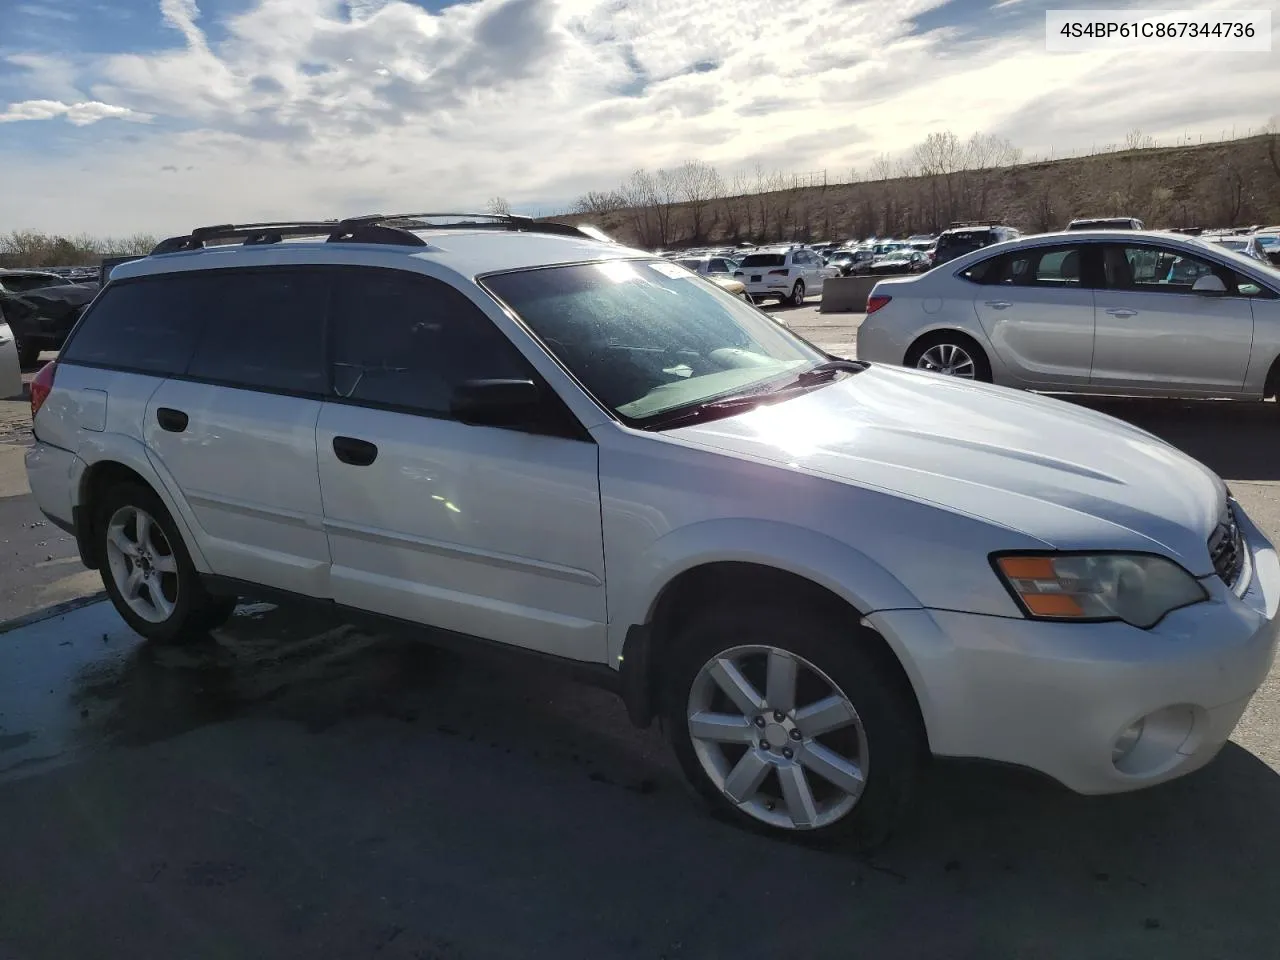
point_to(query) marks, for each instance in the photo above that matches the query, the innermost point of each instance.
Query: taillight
(41, 386)
(875, 302)
(777, 273)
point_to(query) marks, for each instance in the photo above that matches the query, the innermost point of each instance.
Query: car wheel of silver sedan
(791, 724)
(953, 355)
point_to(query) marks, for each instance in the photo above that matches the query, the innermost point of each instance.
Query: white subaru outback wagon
(818, 572)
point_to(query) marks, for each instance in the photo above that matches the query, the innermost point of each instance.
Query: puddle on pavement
(82, 681)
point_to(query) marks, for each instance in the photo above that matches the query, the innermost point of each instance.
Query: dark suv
(964, 238)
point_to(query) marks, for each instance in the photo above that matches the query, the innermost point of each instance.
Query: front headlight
(1137, 588)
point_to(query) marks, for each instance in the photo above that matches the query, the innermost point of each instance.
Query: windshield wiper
(725, 406)
(825, 371)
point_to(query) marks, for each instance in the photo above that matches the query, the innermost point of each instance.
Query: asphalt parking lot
(296, 787)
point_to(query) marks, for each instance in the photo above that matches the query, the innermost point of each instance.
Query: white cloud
(80, 114)
(318, 107)
(50, 13)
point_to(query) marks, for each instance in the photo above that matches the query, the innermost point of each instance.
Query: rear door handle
(1121, 312)
(999, 304)
(175, 421)
(352, 450)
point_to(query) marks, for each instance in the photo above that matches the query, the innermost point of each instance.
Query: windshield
(764, 260)
(647, 338)
(1233, 255)
(1233, 244)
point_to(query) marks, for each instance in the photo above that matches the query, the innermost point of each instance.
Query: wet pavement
(290, 786)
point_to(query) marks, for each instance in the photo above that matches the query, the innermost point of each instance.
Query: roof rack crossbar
(394, 229)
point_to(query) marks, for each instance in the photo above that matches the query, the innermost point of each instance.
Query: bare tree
(882, 168)
(637, 196)
(599, 202)
(1135, 139)
(1273, 143)
(498, 206)
(697, 184)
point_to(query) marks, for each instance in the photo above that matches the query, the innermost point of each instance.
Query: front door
(1036, 306)
(1155, 335)
(481, 530)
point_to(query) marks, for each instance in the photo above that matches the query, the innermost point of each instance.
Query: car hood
(1067, 476)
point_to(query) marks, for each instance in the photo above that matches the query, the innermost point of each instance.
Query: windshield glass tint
(764, 260)
(645, 337)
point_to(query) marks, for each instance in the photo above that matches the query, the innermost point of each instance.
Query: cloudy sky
(119, 116)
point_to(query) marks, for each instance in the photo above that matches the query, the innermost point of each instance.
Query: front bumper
(1055, 697)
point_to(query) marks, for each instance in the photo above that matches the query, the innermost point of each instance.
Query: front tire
(793, 723)
(147, 571)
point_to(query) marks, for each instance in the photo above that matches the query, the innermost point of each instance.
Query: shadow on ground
(1233, 438)
(296, 787)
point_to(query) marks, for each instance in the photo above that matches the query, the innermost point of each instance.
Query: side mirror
(1209, 286)
(495, 403)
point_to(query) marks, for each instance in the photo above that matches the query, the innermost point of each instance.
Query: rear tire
(797, 294)
(147, 571)
(951, 353)
(879, 735)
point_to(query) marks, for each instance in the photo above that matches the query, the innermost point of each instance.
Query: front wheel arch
(725, 583)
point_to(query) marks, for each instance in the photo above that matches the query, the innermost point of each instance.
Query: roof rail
(977, 223)
(394, 229)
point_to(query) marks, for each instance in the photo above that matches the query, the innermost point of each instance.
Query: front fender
(98, 448)
(830, 563)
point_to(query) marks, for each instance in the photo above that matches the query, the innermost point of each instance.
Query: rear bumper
(1056, 697)
(53, 474)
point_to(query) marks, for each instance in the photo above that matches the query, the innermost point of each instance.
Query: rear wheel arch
(102, 475)
(960, 338)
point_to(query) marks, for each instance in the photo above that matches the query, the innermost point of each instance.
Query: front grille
(1226, 548)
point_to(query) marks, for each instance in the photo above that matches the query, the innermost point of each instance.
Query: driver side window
(406, 342)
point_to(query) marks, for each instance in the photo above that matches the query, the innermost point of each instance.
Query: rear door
(1036, 306)
(482, 530)
(1155, 335)
(237, 430)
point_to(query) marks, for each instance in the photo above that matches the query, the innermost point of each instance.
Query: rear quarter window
(764, 260)
(150, 325)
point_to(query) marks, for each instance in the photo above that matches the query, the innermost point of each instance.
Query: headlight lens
(1134, 587)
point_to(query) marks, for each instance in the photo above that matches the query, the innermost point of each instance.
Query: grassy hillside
(1231, 183)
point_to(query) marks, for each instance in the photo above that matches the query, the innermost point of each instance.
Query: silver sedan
(1112, 312)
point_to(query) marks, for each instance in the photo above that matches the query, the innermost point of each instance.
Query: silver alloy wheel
(797, 294)
(142, 564)
(794, 757)
(948, 358)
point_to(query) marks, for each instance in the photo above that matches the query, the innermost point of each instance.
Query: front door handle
(999, 304)
(1121, 312)
(175, 421)
(358, 453)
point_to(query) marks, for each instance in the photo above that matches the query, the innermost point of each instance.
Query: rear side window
(149, 325)
(265, 331)
(407, 342)
(764, 260)
(1037, 267)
